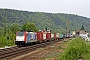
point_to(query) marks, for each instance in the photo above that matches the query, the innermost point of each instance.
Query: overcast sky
(79, 7)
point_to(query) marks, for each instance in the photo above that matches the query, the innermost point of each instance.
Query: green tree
(14, 28)
(29, 27)
(82, 28)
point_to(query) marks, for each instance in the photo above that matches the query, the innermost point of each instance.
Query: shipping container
(48, 36)
(39, 36)
(58, 35)
(52, 35)
(44, 36)
(61, 35)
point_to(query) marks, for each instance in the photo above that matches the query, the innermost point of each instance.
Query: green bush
(7, 42)
(76, 49)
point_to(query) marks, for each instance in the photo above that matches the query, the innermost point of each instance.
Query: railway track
(9, 53)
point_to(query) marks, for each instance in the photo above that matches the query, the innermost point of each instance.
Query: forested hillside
(55, 22)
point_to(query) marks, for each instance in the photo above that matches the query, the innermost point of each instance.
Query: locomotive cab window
(20, 33)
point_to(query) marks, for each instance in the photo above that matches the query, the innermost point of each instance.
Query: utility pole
(66, 27)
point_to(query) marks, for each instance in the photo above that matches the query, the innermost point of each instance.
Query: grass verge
(77, 48)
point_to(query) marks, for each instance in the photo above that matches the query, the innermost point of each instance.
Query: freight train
(24, 37)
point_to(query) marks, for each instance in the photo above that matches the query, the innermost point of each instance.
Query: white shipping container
(44, 35)
(57, 35)
(73, 33)
(52, 35)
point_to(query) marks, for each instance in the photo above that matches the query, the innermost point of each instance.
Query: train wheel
(38, 42)
(44, 41)
(24, 44)
(18, 45)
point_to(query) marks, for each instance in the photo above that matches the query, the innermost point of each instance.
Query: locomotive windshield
(20, 33)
